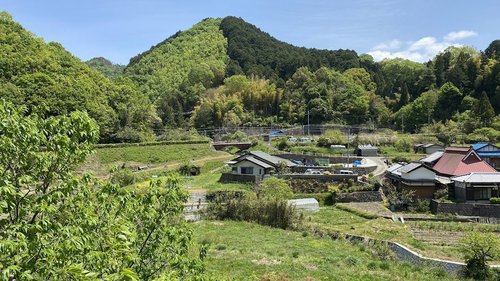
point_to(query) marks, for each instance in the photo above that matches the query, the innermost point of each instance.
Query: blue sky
(120, 29)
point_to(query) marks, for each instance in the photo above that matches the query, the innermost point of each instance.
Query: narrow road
(381, 166)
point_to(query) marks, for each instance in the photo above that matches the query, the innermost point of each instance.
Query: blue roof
(489, 154)
(479, 145)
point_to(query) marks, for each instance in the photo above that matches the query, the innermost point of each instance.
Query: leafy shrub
(236, 136)
(189, 170)
(123, 177)
(479, 248)
(399, 159)
(420, 206)
(274, 213)
(495, 200)
(283, 144)
(399, 199)
(404, 144)
(274, 188)
(441, 194)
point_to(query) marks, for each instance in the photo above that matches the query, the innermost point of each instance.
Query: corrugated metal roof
(457, 161)
(489, 154)
(432, 157)
(479, 145)
(393, 168)
(256, 161)
(479, 178)
(271, 159)
(410, 167)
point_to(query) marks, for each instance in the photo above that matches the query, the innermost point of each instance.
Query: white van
(346, 172)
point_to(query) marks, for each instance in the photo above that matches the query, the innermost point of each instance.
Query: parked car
(312, 172)
(292, 139)
(305, 140)
(346, 172)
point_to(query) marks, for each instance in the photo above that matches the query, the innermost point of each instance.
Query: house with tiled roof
(415, 176)
(459, 161)
(488, 152)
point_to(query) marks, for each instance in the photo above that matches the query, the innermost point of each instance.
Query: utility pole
(402, 123)
(308, 124)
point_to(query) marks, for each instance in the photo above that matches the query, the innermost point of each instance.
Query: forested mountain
(44, 77)
(227, 72)
(106, 67)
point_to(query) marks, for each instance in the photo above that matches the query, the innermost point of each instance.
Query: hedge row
(116, 145)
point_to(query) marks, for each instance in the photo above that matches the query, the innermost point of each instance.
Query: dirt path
(176, 164)
(381, 166)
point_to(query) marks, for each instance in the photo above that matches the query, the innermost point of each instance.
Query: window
(260, 171)
(247, 170)
(482, 193)
(234, 169)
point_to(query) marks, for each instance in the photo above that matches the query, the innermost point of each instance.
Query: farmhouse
(257, 163)
(428, 148)
(488, 152)
(414, 176)
(458, 161)
(476, 186)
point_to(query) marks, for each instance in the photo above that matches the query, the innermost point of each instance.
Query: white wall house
(250, 167)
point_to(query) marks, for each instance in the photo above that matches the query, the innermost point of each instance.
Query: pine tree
(483, 110)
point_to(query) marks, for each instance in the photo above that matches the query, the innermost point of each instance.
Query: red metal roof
(457, 161)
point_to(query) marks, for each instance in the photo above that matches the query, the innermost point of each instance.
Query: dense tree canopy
(56, 226)
(227, 72)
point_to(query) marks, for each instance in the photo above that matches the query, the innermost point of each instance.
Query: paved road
(381, 166)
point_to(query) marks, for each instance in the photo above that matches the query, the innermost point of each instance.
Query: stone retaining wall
(320, 178)
(465, 209)
(359, 196)
(229, 177)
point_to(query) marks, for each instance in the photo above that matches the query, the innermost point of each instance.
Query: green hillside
(254, 52)
(106, 67)
(46, 78)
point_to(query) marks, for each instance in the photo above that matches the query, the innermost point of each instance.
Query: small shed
(428, 148)
(367, 150)
(305, 205)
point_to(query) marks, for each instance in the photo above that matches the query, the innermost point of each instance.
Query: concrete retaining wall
(359, 196)
(404, 254)
(465, 209)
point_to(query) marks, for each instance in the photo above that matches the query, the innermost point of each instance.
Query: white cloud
(420, 50)
(389, 45)
(459, 35)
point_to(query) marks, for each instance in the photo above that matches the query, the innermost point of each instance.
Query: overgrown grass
(247, 251)
(456, 226)
(358, 212)
(156, 153)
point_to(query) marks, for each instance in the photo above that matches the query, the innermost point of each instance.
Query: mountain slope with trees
(47, 79)
(227, 72)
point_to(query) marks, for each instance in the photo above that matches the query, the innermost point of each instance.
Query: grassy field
(246, 251)
(156, 154)
(158, 158)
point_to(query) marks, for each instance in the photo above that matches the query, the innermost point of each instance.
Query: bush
(495, 200)
(283, 144)
(420, 206)
(479, 248)
(189, 170)
(274, 188)
(404, 144)
(441, 194)
(399, 159)
(123, 177)
(274, 213)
